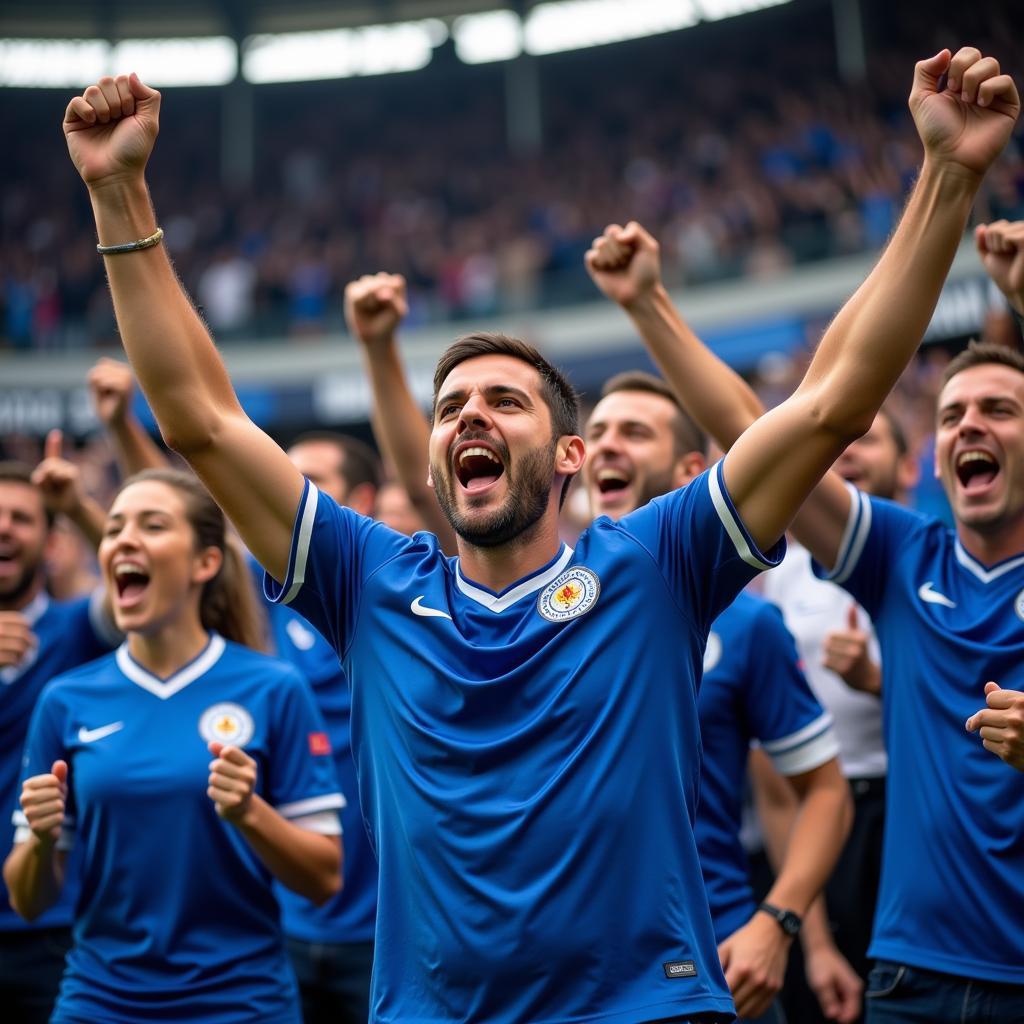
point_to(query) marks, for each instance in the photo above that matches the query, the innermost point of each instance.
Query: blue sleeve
(94, 632)
(783, 714)
(333, 552)
(876, 533)
(697, 538)
(44, 745)
(300, 776)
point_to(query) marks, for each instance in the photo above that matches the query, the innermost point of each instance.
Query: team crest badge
(226, 723)
(712, 652)
(1018, 605)
(571, 595)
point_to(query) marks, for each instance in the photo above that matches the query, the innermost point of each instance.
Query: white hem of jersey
(784, 744)
(497, 603)
(812, 754)
(326, 823)
(855, 536)
(300, 808)
(985, 575)
(164, 688)
(102, 620)
(731, 522)
(297, 573)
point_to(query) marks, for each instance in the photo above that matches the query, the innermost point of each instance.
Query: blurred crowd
(739, 173)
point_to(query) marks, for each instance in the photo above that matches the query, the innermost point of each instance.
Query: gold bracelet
(142, 243)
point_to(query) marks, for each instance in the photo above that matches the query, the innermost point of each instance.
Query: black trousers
(31, 966)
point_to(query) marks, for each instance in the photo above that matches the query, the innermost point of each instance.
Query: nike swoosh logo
(929, 594)
(92, 735)
(427, 613)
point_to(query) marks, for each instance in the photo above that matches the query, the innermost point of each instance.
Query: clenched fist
(625, 263)
(374, 307)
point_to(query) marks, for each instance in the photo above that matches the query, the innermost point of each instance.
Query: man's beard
(653, 486)
(529, 490)
(12, 596)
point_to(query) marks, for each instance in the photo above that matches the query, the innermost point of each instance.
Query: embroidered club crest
(572, 594)
(226, 723)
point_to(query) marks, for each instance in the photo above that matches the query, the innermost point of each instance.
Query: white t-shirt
(812, 608)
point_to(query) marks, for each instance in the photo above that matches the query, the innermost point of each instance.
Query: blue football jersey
(952, 888)
(177, 918)
(529, 760)
(349, 916)
(69, 633)
(753, 690)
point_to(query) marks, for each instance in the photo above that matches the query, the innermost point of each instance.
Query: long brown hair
(229, 604)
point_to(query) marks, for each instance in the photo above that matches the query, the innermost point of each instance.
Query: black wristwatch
(788, 921)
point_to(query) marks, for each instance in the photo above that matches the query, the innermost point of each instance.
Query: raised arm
(777, 462)
(110, 131)
(374, 307)
(111, 384)
(1001, 248)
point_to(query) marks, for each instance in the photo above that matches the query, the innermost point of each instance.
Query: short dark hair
(978, 353)
(360, 464)
(558, 394)
(21, 473)
(687, 436)
(899, 435)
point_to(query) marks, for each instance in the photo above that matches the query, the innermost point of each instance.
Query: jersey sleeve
(44, 745)
(333, 551)
(301, 783)
(697, 538)
(783, 714)
(876, 532)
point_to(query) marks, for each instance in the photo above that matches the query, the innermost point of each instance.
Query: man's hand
(110, 129)
(111, 385)
(375, 305)
(968, 123)
(1001, 724)
(754, 960)
(232, 781)
(1001, 247)
(43, 798)
(17, 641)
(59, 480)
(625, 263)
(846, 654)
(834, 982)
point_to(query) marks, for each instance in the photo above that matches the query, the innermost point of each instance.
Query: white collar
(164, 688)
(499, 602)
(969, 562)
(36, 608)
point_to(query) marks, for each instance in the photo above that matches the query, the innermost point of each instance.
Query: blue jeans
(898, 994)
(334, 980)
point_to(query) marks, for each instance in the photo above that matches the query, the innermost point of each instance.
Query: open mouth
(131, 582)
(611, 481)
(976, 470)
(477, 467)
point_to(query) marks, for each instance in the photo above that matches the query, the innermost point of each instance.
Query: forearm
(815, 842)
(305, 862)
(90, 518)
(403, 433)
(816, 931)
(134, 449)
(34, 875)
(867, 346)
(169, 348)
(718, 398)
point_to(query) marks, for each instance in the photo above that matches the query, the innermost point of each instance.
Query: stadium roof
(148, 19)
